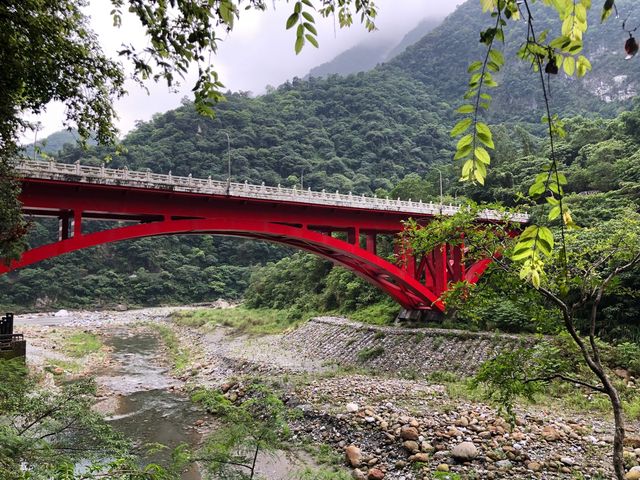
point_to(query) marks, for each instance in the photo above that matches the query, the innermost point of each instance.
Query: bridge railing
(146, 179)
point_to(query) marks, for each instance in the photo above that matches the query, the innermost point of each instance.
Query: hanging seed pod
(631, 47)
(552, 67)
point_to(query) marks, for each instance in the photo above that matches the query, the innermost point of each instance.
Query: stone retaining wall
(393, 349)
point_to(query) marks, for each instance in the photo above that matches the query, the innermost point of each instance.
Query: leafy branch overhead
(545, 55)
(303, 18)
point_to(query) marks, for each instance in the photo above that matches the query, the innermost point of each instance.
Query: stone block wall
(393, 349)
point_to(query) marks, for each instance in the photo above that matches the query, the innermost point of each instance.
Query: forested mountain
(440, 59)
(380, 131)
(367, 55)
(54, 143)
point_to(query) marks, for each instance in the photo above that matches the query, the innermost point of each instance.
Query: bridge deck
(148, 180)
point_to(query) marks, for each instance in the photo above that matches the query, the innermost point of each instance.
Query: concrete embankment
(424, 350)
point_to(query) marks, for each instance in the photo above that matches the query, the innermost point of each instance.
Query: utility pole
(228, 163)
(440, 173)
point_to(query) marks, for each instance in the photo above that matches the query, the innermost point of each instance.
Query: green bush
(369, 353)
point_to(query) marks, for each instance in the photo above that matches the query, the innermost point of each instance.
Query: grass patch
(377, 314)
(330, 462)
(70, 366)
(445, 476)
(179, 355)
(632, 408)
(440, 376)
(241, 319)
(324, 454)
(81, 344)
(370, 353)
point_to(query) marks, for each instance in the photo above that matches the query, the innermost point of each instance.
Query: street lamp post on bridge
(228, 163)
(441, 196)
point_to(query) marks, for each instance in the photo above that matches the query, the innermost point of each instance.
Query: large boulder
(464, 452)
(354, 455)
(633, 474)
(409, 433)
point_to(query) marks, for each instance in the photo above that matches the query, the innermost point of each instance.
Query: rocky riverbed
(383, 426)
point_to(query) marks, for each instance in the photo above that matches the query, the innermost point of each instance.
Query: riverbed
(140, 394)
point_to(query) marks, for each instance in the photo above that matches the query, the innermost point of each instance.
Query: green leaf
(310, 28)
(463, 152)
(483, 129)
(583, 66)
(474, 67)
(554, 213)
(494, 67)
(569, 66)
(521, 254)
(299, 44)
(465, 109)
(464, 141)
(544, 247)
(536, 189)
(292, 20)
(482, 155)
(308, 17)
(535, 278)
(312, 40)
(490, 82)
(466, 169)
(530, 232)
(545, 235)
(484, 134)
(496, 56)
(606, 10)
(488, 5)
(461, 127)
(562, 179)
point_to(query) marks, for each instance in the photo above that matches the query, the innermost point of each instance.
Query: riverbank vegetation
(179, 352)
(240, 319)
(46, 432)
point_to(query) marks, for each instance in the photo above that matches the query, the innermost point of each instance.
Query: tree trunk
(618, 434)
(255, 459)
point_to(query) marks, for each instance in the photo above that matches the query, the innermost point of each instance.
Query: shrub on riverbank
(241, 319)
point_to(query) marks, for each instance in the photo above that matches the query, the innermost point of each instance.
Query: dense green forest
(384, 131)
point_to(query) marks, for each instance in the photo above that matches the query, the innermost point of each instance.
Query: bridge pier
(63, 226)
(419, 316)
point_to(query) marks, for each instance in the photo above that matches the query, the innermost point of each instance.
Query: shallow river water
(145, 409)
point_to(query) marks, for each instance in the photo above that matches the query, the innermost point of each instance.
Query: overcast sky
(257, 53)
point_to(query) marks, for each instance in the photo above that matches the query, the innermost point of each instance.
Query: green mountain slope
(440, 59)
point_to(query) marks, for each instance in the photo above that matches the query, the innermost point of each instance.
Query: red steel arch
(395, 281)
(416, 284)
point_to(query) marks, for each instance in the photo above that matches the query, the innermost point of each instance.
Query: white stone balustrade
(135, 179)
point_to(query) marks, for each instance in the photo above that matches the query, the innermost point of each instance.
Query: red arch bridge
(305, 219)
